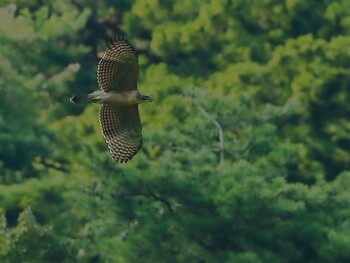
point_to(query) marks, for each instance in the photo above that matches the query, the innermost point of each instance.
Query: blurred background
(246, 154)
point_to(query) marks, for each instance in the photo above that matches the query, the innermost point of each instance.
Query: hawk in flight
(117, 75)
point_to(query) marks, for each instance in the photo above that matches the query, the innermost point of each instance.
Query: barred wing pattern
(118, 70)
(121, 128)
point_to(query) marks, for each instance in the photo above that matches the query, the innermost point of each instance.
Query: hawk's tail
(81, 99)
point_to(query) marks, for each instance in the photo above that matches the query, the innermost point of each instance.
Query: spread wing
(121, 128)
(118, 70)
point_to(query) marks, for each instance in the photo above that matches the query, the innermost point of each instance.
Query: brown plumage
(121, 128)
(118, 70)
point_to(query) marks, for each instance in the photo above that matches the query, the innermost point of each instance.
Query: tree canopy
(246, 147)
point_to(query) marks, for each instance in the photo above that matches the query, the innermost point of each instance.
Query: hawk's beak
(147, 98)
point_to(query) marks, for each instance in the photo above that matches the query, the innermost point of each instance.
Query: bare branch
(221, 133)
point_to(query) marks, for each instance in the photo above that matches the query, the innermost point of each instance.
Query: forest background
(246, 147)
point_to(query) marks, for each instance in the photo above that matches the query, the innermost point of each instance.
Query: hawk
(117, 75)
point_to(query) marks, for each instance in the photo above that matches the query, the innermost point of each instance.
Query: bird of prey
(117, 75)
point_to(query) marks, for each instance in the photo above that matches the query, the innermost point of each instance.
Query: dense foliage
(246, 148)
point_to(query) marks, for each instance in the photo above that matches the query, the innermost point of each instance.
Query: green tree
(245, 155)
(30, 242)
(278, 51)
(36, 62)
(177, 203)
